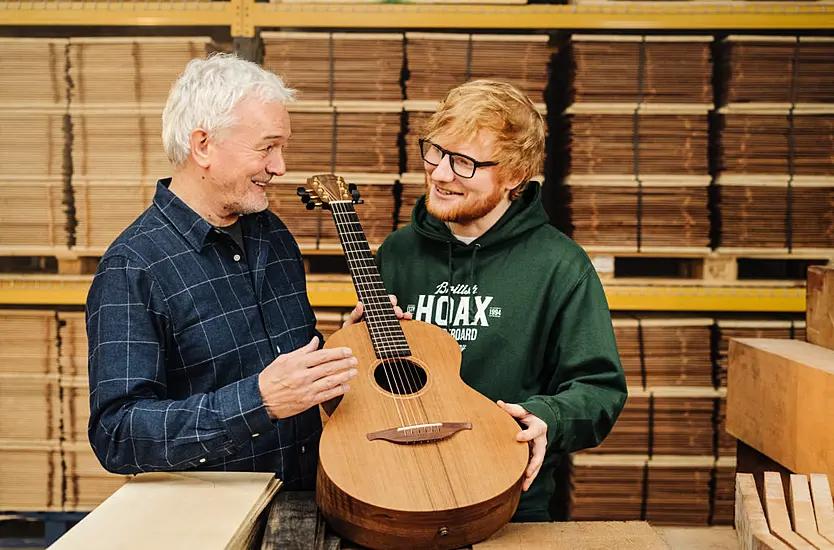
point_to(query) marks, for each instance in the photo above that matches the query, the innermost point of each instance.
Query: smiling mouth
(259, 183)
(447, 193)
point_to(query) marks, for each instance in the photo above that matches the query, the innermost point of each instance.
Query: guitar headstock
(322, 189)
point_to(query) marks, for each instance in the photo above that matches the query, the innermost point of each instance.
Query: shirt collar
(185, 220)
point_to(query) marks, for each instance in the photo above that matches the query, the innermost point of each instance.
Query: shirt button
(255, 435)
(202, 460)
(237, 257)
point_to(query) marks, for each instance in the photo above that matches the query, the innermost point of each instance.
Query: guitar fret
(385, 330)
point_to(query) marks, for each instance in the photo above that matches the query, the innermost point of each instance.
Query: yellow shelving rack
(243, 16)
(665, 295)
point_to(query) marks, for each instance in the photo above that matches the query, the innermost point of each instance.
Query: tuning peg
(311, 205)
(305, 198)
(355, 195)
(351, 187)
(300, 191)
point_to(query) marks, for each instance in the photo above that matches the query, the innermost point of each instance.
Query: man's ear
(200, 140)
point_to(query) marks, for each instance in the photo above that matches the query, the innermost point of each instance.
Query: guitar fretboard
(384, 327)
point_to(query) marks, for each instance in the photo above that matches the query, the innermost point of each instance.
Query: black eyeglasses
(461, 165)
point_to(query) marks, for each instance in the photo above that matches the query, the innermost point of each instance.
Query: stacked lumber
(667, 503)
(775, 212)
(724, 503)
(438, 62)
(790, 511)
(337, 67)
(33, 143)
(637, 130)
(30, 411)
(665, 352)
(607, 486)
(682, 421)
(777, 69)
(819, 306)
(119, 88)
(632, 69)
(316, 229)
(227, 506)
(651, 195)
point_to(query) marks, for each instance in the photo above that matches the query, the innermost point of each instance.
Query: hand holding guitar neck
(304, 378)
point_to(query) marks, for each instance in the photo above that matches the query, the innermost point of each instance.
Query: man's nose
(276, 165)
(443, 171)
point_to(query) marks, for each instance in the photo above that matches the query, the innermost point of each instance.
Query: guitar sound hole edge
(406, 375)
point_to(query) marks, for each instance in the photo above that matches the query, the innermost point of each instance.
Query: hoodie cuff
(546, 413)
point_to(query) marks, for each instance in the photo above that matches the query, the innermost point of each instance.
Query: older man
(203, 347)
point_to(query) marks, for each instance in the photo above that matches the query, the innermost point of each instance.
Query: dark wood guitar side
(412, 457)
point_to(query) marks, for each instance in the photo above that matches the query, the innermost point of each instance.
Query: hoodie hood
(524, 214)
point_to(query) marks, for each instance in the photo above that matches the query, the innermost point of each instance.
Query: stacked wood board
(784, 511)
(438, 62)
(331, 68)
(637, 176)
(30, 412)
(776, 181)
(663, 489)
(33, 145)
(119, 88)
(634, 69)
(777, 69)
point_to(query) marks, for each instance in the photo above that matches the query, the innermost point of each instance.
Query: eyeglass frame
(443, 152)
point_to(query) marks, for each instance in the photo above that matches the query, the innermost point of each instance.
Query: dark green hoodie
(531, 318)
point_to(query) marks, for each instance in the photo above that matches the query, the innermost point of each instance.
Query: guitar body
(438, 494)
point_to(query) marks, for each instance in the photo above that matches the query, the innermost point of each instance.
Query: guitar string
(407, 366)
(376, 323)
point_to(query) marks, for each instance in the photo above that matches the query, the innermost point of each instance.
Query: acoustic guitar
(412, 457)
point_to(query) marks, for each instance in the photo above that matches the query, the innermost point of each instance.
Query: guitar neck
(384, 327)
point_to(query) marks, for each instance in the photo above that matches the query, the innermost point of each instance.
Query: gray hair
(207, 92)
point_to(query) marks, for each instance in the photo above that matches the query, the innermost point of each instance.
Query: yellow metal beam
(790, 297)
(241, 16)
(612, 16)
(143, 14)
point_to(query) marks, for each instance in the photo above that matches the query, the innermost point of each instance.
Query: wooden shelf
(329, 291)
(243, 16)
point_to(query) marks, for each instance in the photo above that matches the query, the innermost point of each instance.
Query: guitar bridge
(420, 433)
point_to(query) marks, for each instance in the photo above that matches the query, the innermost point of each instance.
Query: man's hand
(358, 311)
(536, 433)
(304, 378)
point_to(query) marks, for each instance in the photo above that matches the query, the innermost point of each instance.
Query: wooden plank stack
(120, 86)
(607, 486)
(784, 512)
(638, 172)
(333, 68)
(30, 412)
(438, 62)
(44, 410)
(666, 503)
(776, 177)
(33, 143)
(777, 69)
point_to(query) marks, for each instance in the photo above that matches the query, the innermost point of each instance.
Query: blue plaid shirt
(179, 324)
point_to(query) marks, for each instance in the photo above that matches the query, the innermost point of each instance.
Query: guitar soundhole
(400, 376)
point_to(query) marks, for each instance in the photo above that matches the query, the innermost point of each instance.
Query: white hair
(206, 94)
